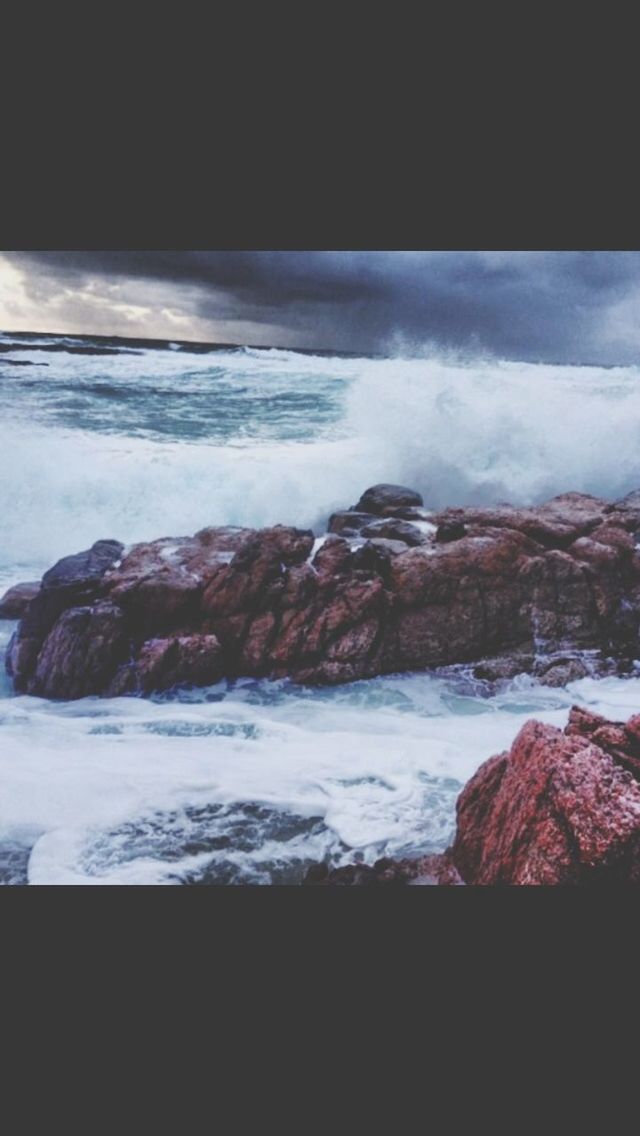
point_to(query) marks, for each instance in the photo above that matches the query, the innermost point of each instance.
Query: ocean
(249, 782)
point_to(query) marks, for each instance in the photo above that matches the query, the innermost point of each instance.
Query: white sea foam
(379, 764)
(115, 791)
(473, 433)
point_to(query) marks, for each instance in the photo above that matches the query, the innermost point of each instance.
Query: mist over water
(249, 782)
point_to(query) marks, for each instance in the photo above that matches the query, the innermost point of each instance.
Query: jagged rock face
(81, 653)
(561, 807)
(558, 808)
(163, 663)
(75, 581)
(399, 592)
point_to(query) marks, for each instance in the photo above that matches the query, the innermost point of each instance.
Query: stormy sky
(579, 307)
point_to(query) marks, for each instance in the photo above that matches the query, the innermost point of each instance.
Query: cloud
(553, 306)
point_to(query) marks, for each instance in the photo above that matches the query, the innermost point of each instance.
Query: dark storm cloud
(555, 306)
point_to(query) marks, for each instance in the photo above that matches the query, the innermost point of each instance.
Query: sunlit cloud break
(543, 306)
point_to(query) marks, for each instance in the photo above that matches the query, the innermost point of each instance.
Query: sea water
(251, 781)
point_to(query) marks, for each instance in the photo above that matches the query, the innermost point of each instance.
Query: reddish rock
(556, 524)
(533, 584)
(333, 558)
(81, 653)
(561, 807)
(160, 583)
(163, 663)
(242, 584)
(556, 809)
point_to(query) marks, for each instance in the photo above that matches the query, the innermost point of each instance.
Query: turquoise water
(250, 782)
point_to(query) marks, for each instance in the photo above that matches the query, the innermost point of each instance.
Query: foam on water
(252, 782)
(257, 437)
(249, 782)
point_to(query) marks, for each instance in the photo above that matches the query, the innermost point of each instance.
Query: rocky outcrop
(561, 807)
(393, 587)
(73, 585)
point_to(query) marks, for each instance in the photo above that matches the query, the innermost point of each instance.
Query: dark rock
(349, 523)
(434, 869)
(503, 667)
(374, 557)
(77, 571)
(450, 530)
(81, 653)
(73, 582)
(389, 547)
(16, 600)
(559, 672)
(194, 660)
(379, 498)
(409, 513)
(394, 529)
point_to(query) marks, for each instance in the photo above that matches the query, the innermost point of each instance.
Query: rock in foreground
(561, 807)
(394, 587)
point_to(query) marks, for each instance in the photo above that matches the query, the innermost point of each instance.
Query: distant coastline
(110, 345)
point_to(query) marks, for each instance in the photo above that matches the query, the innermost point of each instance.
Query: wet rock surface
(379, 499)
(393, 587)
(561, 807)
